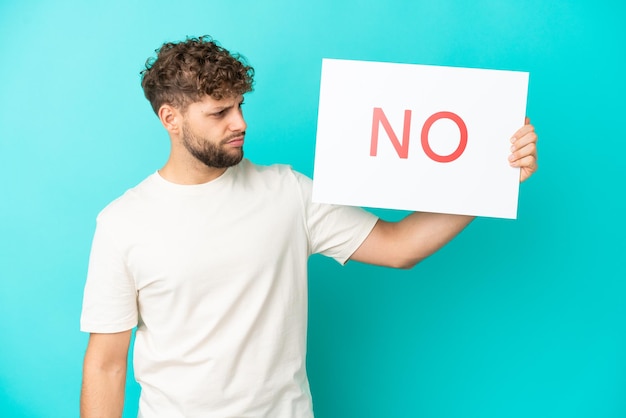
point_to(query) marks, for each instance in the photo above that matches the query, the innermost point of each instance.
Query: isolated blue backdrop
(512, 319)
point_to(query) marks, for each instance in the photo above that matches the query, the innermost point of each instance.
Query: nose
(237, 122)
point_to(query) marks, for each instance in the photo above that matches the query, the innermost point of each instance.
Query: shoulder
(128, 205)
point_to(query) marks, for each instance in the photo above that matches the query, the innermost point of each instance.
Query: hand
(524, 151)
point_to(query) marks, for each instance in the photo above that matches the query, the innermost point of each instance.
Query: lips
(236, 141)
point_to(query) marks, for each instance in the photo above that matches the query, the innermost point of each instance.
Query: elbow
(405, 264)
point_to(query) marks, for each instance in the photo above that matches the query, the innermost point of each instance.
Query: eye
(219, 114)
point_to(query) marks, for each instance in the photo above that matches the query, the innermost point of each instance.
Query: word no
(402, 148)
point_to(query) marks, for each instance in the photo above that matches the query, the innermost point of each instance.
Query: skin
(400, 244)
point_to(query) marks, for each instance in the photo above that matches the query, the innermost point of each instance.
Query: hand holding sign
(524, 151)
(420, 137)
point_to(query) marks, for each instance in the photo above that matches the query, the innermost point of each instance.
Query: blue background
(512, 319)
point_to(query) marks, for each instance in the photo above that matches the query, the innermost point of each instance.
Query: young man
(207, 257)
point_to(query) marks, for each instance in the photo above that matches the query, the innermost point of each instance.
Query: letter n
(401, 148)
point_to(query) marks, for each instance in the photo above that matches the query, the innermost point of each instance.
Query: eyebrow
(222, 108)
(215, 110)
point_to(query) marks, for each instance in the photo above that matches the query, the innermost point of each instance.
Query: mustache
(230, 137)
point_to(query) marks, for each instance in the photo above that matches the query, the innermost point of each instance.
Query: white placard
(418, 137)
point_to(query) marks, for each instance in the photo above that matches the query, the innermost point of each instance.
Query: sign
(418, 137)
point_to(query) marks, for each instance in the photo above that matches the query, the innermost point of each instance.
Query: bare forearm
(407, 242)
(102, 393)
(104, 375)
(421, 234)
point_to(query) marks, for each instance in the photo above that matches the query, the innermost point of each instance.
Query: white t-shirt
(214, 276)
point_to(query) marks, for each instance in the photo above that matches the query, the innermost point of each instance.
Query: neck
(190, 172)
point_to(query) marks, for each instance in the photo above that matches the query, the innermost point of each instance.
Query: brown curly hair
(183, 72)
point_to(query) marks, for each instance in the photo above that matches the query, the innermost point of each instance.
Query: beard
(212, 154)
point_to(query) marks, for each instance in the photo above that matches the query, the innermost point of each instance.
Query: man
(207, 257)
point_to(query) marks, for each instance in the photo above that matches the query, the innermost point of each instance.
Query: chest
(204, 243)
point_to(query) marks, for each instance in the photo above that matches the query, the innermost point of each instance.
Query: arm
(405, 243)
(104, 375)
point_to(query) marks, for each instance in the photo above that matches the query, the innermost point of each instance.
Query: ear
(171, 119)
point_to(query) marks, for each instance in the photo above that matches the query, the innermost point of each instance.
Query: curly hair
(183, 72)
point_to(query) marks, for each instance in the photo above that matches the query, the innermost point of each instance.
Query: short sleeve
(334, 230)
(110, 297)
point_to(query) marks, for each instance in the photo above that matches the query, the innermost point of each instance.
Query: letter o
(462, 143)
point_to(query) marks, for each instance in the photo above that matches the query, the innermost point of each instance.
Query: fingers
(522, 138)
(524, 146)
(524, 150)
(524, 156)
(524, 132)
